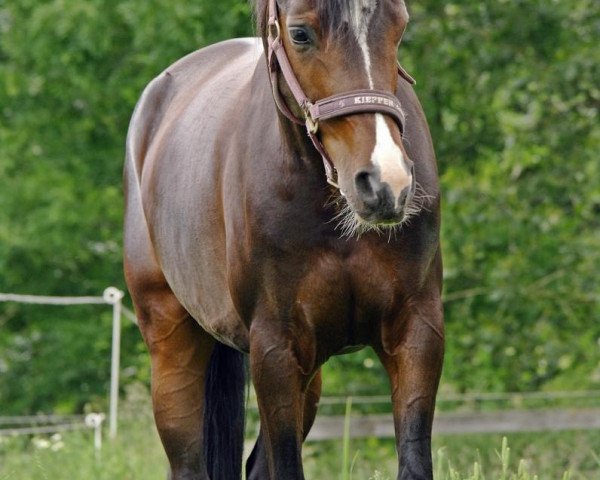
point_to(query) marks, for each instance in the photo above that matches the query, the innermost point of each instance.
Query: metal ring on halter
(274, 23)
(312, 125)
(333, 183)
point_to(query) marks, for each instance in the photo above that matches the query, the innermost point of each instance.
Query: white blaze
(361, 18)
(388, 157)
(386, 153)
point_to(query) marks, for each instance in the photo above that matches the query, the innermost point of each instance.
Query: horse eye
(299, 36)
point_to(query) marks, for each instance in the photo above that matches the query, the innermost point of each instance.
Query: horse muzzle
(375, 201)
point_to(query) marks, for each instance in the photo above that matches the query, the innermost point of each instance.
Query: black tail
(224, 414)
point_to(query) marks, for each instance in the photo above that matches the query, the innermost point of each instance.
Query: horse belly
(192, 256)
(182, 194)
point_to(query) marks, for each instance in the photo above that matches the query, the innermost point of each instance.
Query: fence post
(113, 296)
(95, 420)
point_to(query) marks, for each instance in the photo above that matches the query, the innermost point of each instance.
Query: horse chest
(334, 298)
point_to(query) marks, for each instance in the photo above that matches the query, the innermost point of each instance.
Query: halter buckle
(330, 175)
(334, 184)
(312, 125)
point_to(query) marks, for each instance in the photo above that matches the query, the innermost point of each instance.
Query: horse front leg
(414, 366)
(280, 380)
(257, 466)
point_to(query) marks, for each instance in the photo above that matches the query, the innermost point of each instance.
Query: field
(137, 454)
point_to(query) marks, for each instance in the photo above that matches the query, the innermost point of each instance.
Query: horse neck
(297, 141)
(284, 159)
(297, 146)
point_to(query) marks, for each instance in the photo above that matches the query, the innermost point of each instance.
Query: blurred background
(511, 89)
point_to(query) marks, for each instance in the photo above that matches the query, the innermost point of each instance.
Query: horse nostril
(366, 186)
(403, 197)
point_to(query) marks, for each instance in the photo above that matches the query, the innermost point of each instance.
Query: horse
(282, 207)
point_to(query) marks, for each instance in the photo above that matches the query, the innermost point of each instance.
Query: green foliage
(511, 92)
(70, 74)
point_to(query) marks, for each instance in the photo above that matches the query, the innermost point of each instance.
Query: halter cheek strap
(354, 102)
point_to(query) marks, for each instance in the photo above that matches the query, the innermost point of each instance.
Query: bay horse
(282, 203)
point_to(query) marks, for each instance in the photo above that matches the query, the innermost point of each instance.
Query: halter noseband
(356, 101)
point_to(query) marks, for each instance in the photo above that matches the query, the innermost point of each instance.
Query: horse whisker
(349, 224)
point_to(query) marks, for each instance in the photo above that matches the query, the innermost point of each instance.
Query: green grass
(544, 455)
(137, 454)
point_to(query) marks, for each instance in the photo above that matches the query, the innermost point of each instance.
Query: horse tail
(224, 410)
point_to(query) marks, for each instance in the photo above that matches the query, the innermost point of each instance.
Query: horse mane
(334, 15)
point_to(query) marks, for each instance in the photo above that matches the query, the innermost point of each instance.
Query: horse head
(345, 50)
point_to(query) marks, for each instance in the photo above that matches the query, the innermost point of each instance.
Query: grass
(542, 456)
(137, 454)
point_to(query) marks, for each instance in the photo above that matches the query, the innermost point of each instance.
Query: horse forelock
(336, 17)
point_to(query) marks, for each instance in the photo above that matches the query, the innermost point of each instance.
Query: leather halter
(353, 102)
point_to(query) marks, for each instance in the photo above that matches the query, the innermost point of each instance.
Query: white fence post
(113, 296)
(95, 420)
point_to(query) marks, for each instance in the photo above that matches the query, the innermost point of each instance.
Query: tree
(511, 93)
